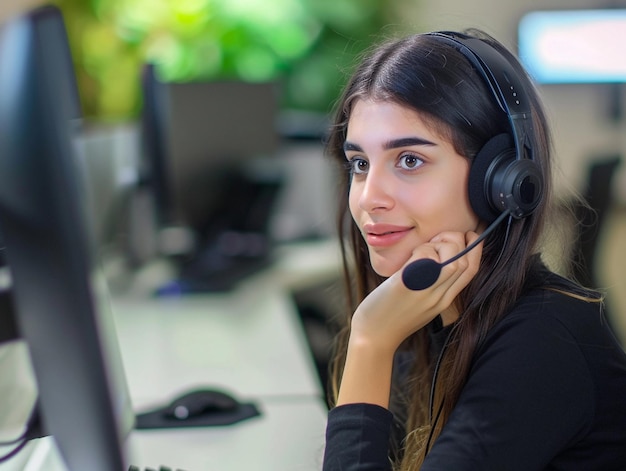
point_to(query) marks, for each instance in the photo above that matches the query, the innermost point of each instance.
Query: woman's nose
(377, 191)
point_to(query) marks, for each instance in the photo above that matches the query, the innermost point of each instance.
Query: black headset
(503, 176)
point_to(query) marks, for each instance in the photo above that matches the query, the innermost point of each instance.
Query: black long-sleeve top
(546, 391)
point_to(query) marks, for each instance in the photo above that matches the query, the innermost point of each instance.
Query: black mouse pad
(157, 419)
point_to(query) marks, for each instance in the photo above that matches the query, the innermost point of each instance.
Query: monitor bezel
(61, 302)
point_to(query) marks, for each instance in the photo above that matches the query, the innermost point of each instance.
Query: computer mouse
(200, 402)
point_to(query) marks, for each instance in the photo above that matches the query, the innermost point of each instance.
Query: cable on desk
(15, 450)
(20, 443)
(31, 430)
(15, 440)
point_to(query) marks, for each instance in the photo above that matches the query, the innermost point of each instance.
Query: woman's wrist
(374, 344)
(379, 338)
(367, 373)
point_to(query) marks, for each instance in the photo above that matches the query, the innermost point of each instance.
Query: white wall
(579, 113)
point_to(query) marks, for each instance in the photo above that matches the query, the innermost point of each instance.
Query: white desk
(288, 436)
(248, 342)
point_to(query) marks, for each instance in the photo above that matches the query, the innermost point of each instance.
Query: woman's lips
(384, 235)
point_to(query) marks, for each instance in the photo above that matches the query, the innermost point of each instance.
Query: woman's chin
(386, 268)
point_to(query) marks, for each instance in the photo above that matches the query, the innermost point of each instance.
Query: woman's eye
(358, 165)
(410, 162)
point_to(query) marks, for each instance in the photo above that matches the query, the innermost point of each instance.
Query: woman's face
(408, 182)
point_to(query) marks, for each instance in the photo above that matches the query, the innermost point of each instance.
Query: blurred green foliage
(306, 45)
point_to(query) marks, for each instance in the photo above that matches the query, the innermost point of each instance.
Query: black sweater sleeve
(357, 438)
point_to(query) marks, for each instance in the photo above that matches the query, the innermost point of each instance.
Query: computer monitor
(153, 165)
(208, 149)
(197, 133)
(61, 304)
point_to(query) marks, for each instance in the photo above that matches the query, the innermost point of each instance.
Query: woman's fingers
(454, 275)
(391, 312)
(460, 272)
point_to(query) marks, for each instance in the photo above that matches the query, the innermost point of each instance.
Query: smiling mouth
(386, 238)
(384, 233)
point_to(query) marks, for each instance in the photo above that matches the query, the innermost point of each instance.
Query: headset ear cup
(516, 185)
(496, 149)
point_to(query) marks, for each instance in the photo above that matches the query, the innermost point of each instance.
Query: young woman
(499, 363)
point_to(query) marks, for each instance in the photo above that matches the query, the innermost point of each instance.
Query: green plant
(303, 44)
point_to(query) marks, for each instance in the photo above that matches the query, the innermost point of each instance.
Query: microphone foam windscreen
(421, 274)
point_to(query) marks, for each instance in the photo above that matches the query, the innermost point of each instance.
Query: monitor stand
(214, 269)
(235, 239)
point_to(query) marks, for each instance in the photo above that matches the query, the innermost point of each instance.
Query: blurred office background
(145, 67)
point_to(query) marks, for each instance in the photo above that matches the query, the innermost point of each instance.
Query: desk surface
(288, 436)
(249, 342)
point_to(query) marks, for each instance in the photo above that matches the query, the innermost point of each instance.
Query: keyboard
(161, 468)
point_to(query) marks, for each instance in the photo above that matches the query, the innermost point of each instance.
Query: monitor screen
(197, 133)
(61, 304)
(574, 46)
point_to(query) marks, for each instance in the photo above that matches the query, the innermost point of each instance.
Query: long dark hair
(429, 76)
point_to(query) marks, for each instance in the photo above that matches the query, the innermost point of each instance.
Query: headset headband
(502, 80)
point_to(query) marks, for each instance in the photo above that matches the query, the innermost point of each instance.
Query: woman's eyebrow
(407, 142)
(392, 144)
(349, 146)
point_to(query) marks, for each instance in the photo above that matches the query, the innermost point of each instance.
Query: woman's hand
(393, 312)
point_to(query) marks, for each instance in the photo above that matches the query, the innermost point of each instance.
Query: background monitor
(197, 134)
(61, 304)
(574, 46)
(153, 166)
(208, 157)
